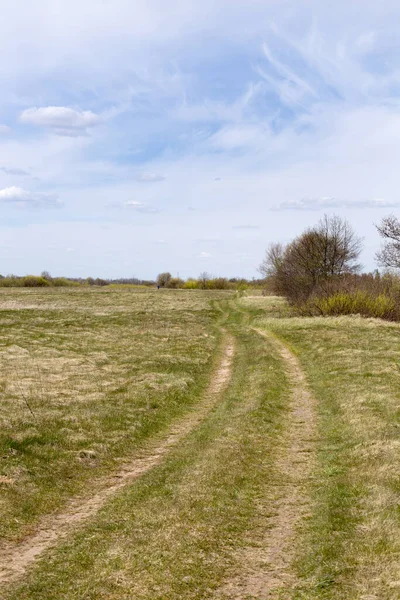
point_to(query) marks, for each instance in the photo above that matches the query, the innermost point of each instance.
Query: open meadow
(168, 444)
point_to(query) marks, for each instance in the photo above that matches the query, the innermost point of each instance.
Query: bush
(218, 283)
(242, 285)
(191, 284)
(63, 282)
(34, 281)
(355, 303)
(175, 283)
(163, 279)
(11, 281)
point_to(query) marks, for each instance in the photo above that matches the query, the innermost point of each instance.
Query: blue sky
(143, 136)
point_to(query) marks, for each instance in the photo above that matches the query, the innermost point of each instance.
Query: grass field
(272, 447)
(86, 377)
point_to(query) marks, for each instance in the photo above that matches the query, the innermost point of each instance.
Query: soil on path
(267, 566)
(15, 559)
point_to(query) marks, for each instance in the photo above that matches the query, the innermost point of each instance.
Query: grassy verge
(86, 377)
(175, 533)
(351, 546)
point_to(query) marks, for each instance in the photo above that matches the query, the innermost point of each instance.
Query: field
(165, 444)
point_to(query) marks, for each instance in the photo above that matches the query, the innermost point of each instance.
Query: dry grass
(117, 367)
(85, 377)
(174, 534)
(352, 547)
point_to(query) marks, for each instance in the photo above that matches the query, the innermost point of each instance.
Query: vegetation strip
(269, 566)
(16, 558)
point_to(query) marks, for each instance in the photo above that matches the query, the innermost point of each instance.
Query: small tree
(273, 258)
(204, 278)
(46, 275)
(163, 279)
(175, 283)
(322, 253)
(389, 230)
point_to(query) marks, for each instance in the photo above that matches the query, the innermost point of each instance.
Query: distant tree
(389, 230)
(46, 275)
(100, 282)
(163, 279)
(326, 251)
(175, 283)
(204, 278)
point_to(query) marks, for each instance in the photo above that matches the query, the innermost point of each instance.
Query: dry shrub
(369, 295)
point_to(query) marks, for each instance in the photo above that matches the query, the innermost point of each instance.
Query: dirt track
(15, 559)
(268, 565)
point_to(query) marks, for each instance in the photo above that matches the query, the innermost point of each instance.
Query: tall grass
(359, 302)
(369, 295)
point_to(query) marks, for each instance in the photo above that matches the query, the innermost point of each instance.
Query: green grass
(107, 370)
(175, 533)
(351, 546)
(86, 376)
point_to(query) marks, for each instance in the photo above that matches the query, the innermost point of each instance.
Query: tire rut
(268, 570)
(16, 558)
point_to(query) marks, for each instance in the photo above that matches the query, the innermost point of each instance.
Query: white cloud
(205, 255)
(4, 129)
(24, 198)
(135, 206)
(61, 119)
(150, 177)
(333, 203)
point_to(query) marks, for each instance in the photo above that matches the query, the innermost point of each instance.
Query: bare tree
(273, 258)
(46, 275)
(204, 278)
(163, 279)
(326, 251)
(389, 230)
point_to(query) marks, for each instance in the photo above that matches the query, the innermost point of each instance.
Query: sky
(139, 136)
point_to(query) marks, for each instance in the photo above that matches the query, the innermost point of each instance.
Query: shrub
(63, 282)
(175, 283)
(191, 284)
(218, 283)
(34, 281)
(242, 285)
(163, 279)
(362, 303)
(11, 281)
